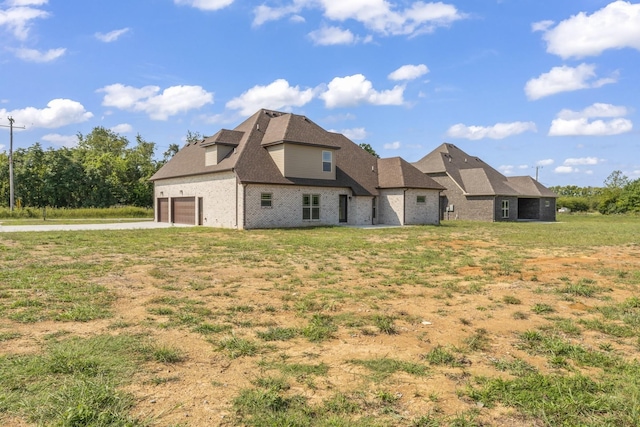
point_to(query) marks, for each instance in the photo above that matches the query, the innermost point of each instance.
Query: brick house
(282, 170)
(476, 191)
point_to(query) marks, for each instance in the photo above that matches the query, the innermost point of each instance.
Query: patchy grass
(458, 325)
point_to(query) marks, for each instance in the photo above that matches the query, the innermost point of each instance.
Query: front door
(342, 208)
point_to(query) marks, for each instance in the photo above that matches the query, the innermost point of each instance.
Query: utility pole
(538, 167)
(11, 194)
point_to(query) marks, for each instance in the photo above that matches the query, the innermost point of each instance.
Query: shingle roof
(296, 129)
(355, 167)
(477, 178)
(224, 137)
(395, 172)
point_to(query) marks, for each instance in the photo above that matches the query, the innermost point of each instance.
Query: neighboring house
(282, 170)
(476, 191)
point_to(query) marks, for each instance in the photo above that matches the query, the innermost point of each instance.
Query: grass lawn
(465, 324)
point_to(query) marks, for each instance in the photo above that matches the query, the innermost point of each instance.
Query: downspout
(439, 205)
(236, 191)
(244, 206)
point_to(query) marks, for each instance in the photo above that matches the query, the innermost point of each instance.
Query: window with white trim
(505, 209)
(266, 200)
(310, 207)
(326, 161)
(421, 199)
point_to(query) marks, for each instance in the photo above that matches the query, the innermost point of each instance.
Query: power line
(11, 126)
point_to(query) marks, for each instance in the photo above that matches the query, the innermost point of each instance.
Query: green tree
(102, 153)
(171, 151)
(614, 185)
(139, 166)
(100, 172)
(29, 170)
(369, 149)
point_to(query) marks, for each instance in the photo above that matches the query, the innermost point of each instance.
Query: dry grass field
(465, 324)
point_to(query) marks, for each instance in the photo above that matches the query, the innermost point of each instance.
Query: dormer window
(326, 161)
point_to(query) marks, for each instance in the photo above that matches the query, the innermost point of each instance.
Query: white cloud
(541, 26)
(18, 17)
(354, 134)
(392, 146)
(353, 90)
(378, 16)
(583, 127)
(111, 36)
(159, 106)
(57, 113)
(616, 26)
(578, 123)
(566, 169)
(275, 96)
(205, 4)
(61, 140)
(409, 72)
(26, 2)
(327, 36)
(497, 131)
(264, 13)
(582, 161)
(33, 55)
(122, 128)
(565, 79)
(595, 110)
(506, 169)
(545, 162)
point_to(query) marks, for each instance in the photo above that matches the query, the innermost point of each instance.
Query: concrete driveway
(77, 227)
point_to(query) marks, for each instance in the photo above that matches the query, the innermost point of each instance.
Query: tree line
(102, 170)
(618, 195)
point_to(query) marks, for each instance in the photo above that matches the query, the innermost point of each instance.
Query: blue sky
(518, 83)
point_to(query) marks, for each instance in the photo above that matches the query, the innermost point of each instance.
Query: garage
(162, 207)
(183, 210)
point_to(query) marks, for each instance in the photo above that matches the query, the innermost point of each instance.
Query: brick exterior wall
(513, 208)
(548, 213)
(391, 207)
(398, 206)
(218, 192)
(478, 208)
(489, 208)
(422, 213)
(360, 211)
(231, 205)
(286, 206)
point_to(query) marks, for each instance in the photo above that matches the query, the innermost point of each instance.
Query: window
(326, 161)
(505, 209)
(310, 207)
(265, 200)
(547, 203)
(421, 199)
